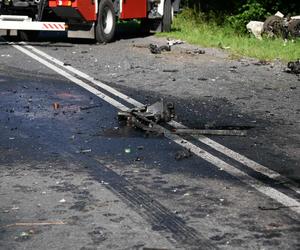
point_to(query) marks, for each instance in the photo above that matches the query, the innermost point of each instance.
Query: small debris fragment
(195, 52)
(170, 70)
(127, 150)
(261, 62)
(183, 154)
(24, 235)
(15, 208)
(56, 105)
(155, 49)
(174, 42)
(274, 208)
(84, 151)
(90, 107)
(294, 67)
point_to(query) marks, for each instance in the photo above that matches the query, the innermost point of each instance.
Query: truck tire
(106, 22)
(167, 17)
(28, 35)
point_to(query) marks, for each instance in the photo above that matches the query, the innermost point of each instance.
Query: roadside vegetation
(225, 30)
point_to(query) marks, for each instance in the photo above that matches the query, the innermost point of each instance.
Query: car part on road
(155, 49)
(149, 117)
(234, 132)
(195, 52)
(294, 67)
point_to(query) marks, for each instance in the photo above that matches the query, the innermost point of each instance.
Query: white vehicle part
(160, 8)
(11, 22)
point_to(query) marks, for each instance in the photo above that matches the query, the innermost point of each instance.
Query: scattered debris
(174, 42)
(256, 28)
(202, 79)
(24, 235)
(29, 224)
(221, 46)
(84, 151)
(294, 67)
(274, 208)
(195, 52)
(170, 70)
(294, 28)
(155, 49)
(274, 25)
(183, 154)
(15, 208)
(148, 117)
(56, 105)
(127, 150)
(233, 132)
(138, 159)
(90, 107)
(261, 62)
(280, 26)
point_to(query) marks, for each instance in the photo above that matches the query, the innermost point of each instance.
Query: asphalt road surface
(73, 177)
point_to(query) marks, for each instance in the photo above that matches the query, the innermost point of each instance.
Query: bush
(251, 11)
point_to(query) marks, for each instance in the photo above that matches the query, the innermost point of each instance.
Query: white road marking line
(258, 185)
(287, 201)
(73, 79)
(87, 77)
(213, 144)
(242, 159)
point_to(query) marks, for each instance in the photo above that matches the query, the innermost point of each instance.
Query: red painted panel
(134, 9)
(86, 8)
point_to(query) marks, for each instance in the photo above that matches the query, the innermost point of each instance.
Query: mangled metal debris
(150, 118)
(174, 42)
(155, 49)
(233, 132)
(276, 26)
(195, 52)
(294, 67)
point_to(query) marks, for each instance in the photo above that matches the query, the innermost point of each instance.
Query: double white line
(273, 193)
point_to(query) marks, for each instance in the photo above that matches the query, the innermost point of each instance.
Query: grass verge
(208, 34)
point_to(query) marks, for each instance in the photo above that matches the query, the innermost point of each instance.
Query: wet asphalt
(64, 156)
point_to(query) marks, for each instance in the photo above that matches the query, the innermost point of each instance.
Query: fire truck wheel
(106, 22)
(167, 17)
(27, 36)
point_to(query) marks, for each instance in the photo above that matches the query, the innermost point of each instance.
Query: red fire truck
(94, 19)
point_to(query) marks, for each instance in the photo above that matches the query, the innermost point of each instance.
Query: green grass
(208, 34)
